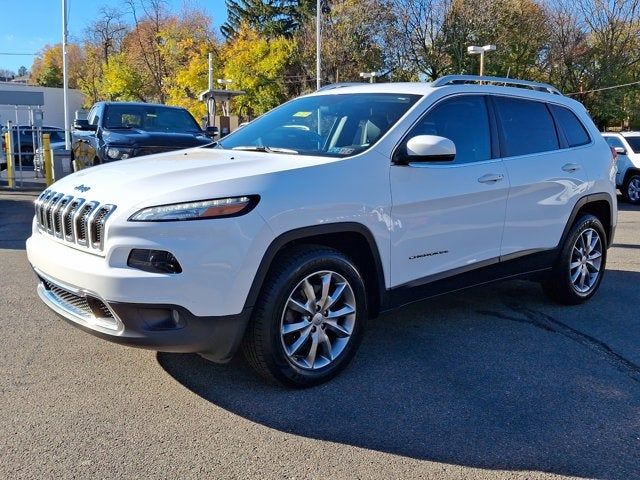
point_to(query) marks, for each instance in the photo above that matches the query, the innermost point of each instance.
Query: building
(53, 107)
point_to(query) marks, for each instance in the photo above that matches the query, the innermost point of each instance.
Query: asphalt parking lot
(494, 382)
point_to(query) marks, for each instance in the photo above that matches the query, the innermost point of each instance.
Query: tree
(107, 32)
(257, 65)
(122, 81)
(272, 18)
(47, 66)
(22, 71)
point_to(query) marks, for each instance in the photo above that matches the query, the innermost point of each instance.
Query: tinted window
(614, 142)
(152, 118)
(464, 121)
(634, 143)
(574, 132)
(527, 126)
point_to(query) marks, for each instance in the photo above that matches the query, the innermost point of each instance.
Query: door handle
(571, 167)
(491, 178)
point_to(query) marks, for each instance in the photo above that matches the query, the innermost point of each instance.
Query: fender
(308, 232)
(591, 198)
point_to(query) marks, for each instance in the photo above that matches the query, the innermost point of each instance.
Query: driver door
(449, 216)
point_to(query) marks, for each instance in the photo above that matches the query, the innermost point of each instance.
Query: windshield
(151, 118)
(634, 143)
(331, 125)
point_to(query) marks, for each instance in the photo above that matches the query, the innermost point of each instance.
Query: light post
(370, 75)
(473, 50)
(65, 81)
(318, 19)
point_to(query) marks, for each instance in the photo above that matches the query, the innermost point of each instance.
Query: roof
(144, 104)
(459, 84)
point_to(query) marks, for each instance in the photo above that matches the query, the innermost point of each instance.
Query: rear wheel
(631, 189)
(309, 318)
(580, 266)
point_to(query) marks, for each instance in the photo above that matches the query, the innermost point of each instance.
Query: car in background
(26, 139)
(627, 146)
(120, 130)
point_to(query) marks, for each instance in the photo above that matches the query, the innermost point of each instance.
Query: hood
(142, 138)
(186, 175)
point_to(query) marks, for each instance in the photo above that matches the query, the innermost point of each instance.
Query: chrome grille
(80, 306)
(72, 219)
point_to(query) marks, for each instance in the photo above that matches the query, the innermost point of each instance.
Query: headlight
(217, 208)
(119, 153)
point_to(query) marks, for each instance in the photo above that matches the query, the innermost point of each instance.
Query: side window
(573, 129)
(614, 142)
(527, 126)
(93, 116)
(465, 121)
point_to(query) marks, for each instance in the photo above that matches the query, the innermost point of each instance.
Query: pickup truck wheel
(309, 319)
(580, 267)
(631, 189)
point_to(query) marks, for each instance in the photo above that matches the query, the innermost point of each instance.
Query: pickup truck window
(151, 118)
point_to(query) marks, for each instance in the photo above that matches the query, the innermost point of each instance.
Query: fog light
(154, 261)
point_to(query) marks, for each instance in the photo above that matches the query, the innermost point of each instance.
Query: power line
(604, 88)
(13, 53)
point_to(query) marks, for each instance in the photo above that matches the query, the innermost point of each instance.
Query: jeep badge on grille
(82, 188)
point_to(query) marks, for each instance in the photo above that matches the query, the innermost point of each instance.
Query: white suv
(285, 236)
(627, 146)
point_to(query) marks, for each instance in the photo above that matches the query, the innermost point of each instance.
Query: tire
(279, 340)
(568, 284)
(631, 189)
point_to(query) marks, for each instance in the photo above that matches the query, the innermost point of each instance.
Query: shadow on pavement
(16, 214)
(482, 378)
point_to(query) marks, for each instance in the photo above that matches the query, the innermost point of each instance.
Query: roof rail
(340, 85)
(506, 82)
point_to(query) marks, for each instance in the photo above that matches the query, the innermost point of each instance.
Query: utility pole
(65, 81)
(318, 31)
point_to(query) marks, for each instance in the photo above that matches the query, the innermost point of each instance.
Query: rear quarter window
(574, 131)
(527, 126)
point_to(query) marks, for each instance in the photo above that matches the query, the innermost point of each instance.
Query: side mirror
(211, 131)
(82, 124)
(428, 148)
(620, 151)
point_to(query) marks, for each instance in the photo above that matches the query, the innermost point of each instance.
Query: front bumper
(166, 328)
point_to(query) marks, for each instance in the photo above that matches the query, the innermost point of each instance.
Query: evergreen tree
(272, 18)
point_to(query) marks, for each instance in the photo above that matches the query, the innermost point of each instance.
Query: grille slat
(72, 219)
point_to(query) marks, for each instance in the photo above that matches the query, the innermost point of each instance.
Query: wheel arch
(353, 239)
(597, 204)
(630, 171)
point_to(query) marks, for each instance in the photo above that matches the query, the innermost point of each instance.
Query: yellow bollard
(8, 143)
(47, 157)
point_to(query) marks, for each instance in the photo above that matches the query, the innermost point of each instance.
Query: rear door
(545, 171)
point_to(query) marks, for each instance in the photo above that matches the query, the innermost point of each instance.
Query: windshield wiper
(263, 148)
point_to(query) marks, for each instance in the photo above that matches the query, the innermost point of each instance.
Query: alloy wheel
(586, 261)
(318, 320)
(633, 189)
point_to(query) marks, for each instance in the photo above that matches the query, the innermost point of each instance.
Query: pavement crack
(551, 324)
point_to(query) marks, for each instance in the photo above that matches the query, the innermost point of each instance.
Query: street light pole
(318, 18)
(370, 75)
(472, 50)
(65, 81)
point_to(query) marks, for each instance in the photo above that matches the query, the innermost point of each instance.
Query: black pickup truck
(119, 130)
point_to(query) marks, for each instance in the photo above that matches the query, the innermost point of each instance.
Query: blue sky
(28, 25)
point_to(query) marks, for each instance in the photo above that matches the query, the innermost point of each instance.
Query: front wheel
(631, 189)
(309, 318)
(580, 266)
